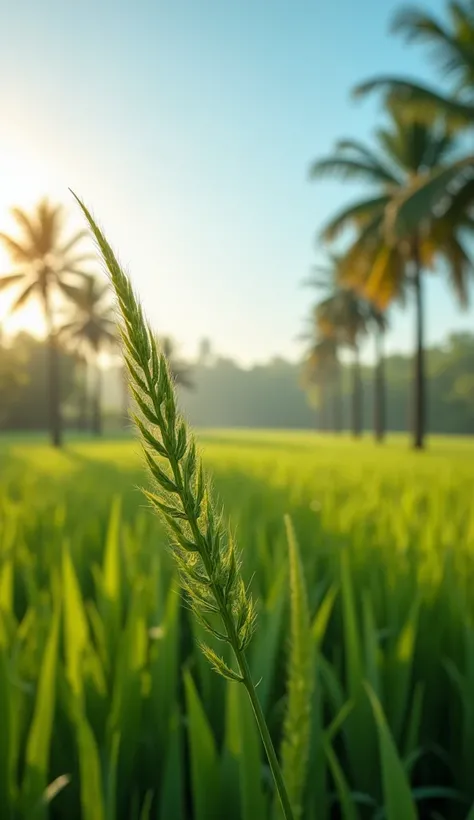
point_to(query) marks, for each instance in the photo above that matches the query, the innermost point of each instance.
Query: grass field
(100, 677)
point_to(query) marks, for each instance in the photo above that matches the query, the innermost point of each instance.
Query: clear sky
(189, 126)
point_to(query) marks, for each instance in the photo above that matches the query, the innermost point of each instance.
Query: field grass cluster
(106, 698)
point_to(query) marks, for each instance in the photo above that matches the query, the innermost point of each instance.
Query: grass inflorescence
(203, 547)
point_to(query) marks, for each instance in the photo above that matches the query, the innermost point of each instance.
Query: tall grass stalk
(202, 545)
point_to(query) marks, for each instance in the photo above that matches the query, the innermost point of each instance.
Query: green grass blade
(297, 724)
(266, 644)
(398, 800)
(253, 800)
(111, 779)
(401, 671)
(40, 734)
(112, 578)
(76, 630)
(347, 805)
(204, 761)
(92, 797)
(173, 783)
(6, 781)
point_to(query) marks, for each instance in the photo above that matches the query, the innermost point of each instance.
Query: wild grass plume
(202, 545)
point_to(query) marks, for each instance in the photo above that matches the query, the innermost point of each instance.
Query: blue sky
(189, 126)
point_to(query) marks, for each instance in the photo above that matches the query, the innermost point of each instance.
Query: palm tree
(321, 368)
(342, 316)
(452, 45)
(91, 331)
(379, 266)
(45, 260)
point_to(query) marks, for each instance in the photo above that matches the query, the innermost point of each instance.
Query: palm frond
(355, 215)
(11, 279)
(50, 219)
(448, 49)
(72, 242)
(419, 102)
(18, 252)
(429, 197)
(73, 293)
(460, 269)
(27, 224)
(25, 294)
(386, 277)
(75, 261)
(346, 168)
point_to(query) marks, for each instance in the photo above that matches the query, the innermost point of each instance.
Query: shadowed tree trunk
(53, 377)
(97, 403)
(83, 396)
(323, 407)
(379, 387)
(356, 395)
(337, 398)
(419, 374)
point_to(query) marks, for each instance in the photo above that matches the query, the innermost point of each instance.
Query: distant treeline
(271, 395)
(227, 395)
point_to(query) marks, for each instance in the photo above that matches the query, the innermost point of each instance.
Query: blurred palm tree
(437, 191)
(375, 264)
(377, 320)
(44, 261)
(91, 331)
(342, 316)
(322, 370)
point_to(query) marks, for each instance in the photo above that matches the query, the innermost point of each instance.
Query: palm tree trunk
(419, 374)
(82, 404)
(97, 403)
(53, 377)
(337, 398)
(323, 407)
(379, 387)
(356, 395)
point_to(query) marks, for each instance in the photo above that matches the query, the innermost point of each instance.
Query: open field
(100, 675)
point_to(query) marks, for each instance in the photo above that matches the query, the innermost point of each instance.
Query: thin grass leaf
(204, 760)
(297, 724)
(39, 738)
(398, 799)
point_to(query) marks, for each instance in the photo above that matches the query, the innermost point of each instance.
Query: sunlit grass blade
(112, 579)
(76, 630)
(41, 730)
(91, 782)
(297, 724)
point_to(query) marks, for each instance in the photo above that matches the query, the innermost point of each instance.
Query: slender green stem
(265, 735)
(241, 660)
